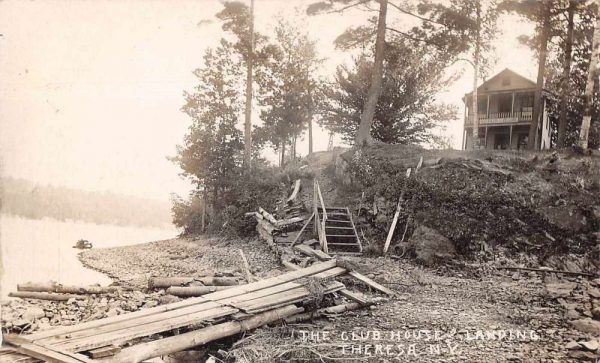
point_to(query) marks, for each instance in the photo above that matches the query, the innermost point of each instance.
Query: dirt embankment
(487, 203)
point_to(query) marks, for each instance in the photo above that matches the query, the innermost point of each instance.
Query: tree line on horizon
(387, 93)
(25, 199)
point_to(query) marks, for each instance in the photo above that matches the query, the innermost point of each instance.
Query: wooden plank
(115, 319)
(371, 283)
(231, 301)
(354, 274)
(355, 296)
(396, 215)
(45, 353)
(360, 248)
(121, 336)
(235, 291)
(104, 351)
(277, 280)
(318, 254)
(284, 298)
(249, 277)
(302, 230)
(199, 337)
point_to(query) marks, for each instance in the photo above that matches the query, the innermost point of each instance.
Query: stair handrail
(320, 224)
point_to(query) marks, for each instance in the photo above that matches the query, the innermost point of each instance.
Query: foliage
(461, 26)
(406, 111)
(187, 213)
(211, 150)
(583, 33)
(287, 84)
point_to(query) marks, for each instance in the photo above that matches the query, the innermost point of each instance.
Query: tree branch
(415, 15)
(346, 7)
(439, 47)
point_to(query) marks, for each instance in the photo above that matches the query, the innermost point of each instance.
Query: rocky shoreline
(562, 310)
(130, 267)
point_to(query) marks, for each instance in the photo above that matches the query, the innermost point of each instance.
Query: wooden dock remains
(170, 328)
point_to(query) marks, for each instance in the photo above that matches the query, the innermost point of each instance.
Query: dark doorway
(501, 141)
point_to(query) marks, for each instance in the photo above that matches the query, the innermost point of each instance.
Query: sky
(91, 91)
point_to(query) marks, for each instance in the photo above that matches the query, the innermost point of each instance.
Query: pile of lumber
(192, 322)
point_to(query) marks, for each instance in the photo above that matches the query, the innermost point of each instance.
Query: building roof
(506, 80)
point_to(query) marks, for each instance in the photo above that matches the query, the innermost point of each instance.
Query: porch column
(512, 106)
(488, 108)
(510, 132)
(486, 132)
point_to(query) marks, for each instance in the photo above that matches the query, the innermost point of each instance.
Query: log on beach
(219, 281)
(44, 296)
(191, 291)
(65, 289)
(166, 282)
(200, 337)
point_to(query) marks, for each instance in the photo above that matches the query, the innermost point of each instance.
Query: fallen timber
(66, 289)
(204, 319)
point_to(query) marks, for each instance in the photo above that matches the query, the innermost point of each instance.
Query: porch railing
(501, 117)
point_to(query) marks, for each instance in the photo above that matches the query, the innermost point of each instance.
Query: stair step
(333, 208)
(338, 227)
(340, 235)
(338, 221)
(341, 244)
(337, 214)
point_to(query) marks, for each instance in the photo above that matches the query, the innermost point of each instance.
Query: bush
(262, 186)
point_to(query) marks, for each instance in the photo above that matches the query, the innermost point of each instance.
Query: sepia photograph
(240, 181)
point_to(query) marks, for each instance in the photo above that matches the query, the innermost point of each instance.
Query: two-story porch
(505, 112)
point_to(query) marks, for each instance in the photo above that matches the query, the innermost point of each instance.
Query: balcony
(501, 118)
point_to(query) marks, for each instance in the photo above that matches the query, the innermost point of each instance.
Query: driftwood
(547, 270)
(199, 337)
(337, 309)
(166, 282)
(190, 291)
(218, 281)
(249, 277)
(396, 215)
(44, 296)
(294, 193)
(268, 216)
(302, 230)
(56, 287)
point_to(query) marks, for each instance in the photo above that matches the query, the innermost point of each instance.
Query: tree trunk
(562, 121)
(474, 104)
(294, 147)
(589, 89)
(310, 135)
(204, 201)
(366, 119)
(248, 111)
(532, 143)
(282, 154)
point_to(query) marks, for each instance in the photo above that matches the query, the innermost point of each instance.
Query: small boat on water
(83, 244)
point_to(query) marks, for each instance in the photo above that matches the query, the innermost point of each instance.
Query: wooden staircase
(340, 232)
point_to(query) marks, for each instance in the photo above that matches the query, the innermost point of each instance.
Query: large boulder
(429, 246)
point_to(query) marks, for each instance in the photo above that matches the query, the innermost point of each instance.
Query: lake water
(41, 250)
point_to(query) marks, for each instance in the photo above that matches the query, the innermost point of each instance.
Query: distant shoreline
(68, 220)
